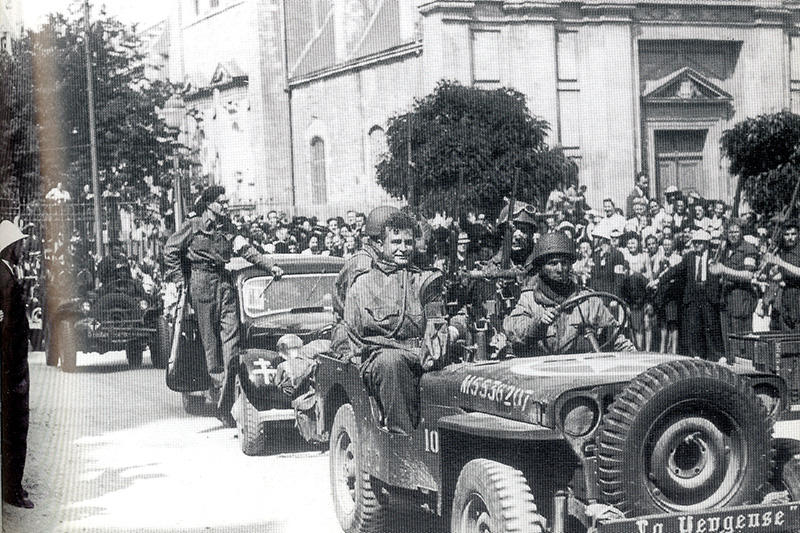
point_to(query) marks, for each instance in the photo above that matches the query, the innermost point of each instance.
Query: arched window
(377, 147)
(319, 193)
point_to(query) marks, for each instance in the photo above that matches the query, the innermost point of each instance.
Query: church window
(569, 124)
(319, 194)
(485, 59)
(377, 147)
(567, 51)
(794, 83)
(213, 4)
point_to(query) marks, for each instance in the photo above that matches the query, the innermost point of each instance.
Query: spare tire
(116, 307)
(683, 436)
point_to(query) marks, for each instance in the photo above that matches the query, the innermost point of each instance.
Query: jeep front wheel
(491, 496)
(357, 506)
(684, 436)
(251, 438)
(133, 353)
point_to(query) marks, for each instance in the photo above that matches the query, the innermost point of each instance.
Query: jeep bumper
(775, 518)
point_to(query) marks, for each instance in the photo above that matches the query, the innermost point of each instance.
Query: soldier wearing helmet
(360, 262)
(524, 224)
(538, 325)
(386, 312)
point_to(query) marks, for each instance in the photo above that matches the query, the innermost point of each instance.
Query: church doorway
(679, 159)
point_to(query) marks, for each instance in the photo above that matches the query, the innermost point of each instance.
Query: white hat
(9, 234)
(752, 239)
(701, 235)
(602, 230)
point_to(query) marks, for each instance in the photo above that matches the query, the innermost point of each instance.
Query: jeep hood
(526, 389)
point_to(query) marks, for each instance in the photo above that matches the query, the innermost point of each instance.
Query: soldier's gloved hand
(277, 272)
(714, 268)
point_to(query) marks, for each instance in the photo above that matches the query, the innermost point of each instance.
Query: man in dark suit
(14, 379)
(701, 330)
(640, 190)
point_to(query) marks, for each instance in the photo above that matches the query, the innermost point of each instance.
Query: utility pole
(98, 222)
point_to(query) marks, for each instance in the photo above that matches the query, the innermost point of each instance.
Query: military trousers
(214, 303)
(391, 376)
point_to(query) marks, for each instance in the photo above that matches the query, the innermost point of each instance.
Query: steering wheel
(587, 329)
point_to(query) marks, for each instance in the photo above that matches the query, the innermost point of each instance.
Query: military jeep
(599, 442)
(119, 315)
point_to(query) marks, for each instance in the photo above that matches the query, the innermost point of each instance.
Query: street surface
(111, 449)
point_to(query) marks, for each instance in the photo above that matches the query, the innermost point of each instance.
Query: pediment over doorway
(685, 85)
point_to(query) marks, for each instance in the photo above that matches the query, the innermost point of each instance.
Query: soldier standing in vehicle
(384, 312)
(538, 325)
(788, 275)
(199, 249)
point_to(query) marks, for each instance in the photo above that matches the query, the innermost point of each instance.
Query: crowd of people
(628, 252)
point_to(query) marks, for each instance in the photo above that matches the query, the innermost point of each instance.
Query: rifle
(509, 231)
(776, 231)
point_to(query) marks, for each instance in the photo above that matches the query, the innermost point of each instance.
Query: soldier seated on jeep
(554, 315)
(388, 311)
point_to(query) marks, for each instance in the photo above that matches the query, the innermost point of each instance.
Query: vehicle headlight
(144, 305)
(579, 415)
(769, 397)
(86, 307)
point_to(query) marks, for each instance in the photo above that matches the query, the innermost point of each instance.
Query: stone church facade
(626, 85)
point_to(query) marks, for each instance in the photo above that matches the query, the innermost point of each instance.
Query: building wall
(341, 110)
(249, 33)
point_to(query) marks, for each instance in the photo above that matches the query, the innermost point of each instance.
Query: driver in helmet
(540, 324)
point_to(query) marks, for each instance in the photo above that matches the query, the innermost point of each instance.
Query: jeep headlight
(579, 416)
(143, 304)
(86, 307)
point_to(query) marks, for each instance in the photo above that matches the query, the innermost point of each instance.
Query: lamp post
(98, 222)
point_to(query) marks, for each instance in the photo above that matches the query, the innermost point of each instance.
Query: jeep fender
(258, 376)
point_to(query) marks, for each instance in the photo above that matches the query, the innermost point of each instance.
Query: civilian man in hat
(199, 249)
(701, 329)
(537, 326)
(787, 261)
(609, 268)
(15, 377)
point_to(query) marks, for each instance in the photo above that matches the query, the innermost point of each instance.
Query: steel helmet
(524, 213)
(550, 244)
(376, 219)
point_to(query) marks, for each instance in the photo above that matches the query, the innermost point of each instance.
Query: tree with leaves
(764, 153)
(48, 101)
(466, 145)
